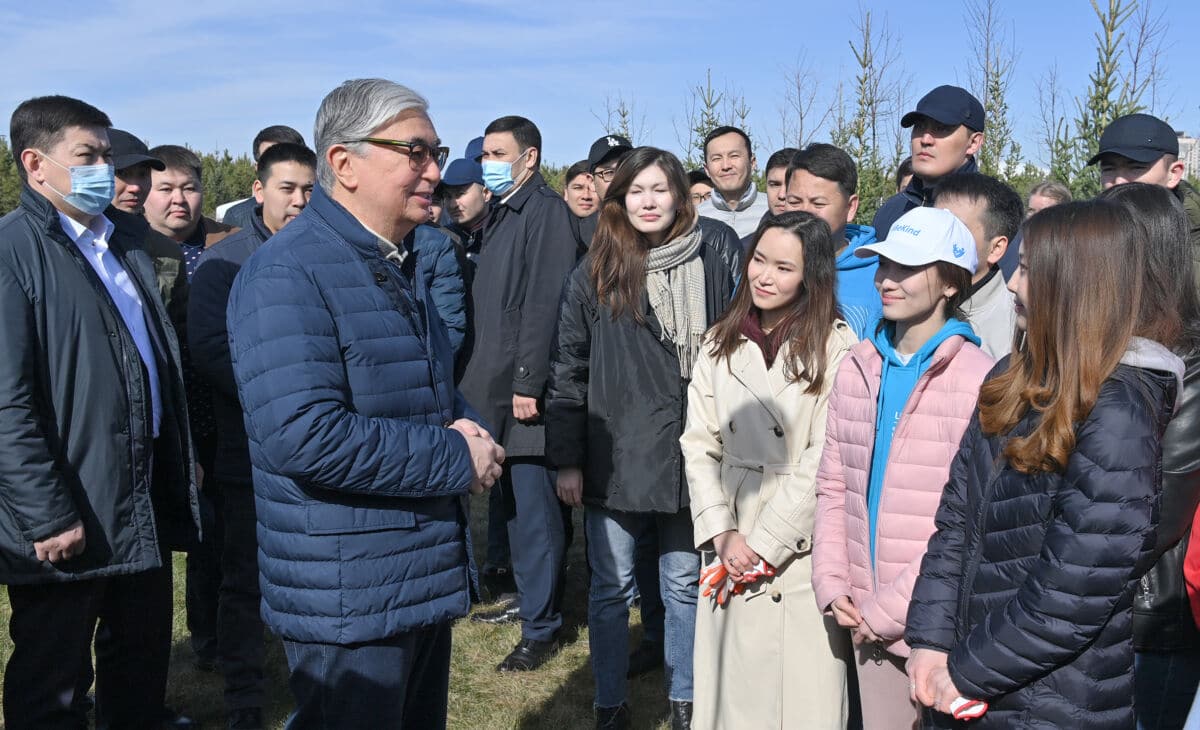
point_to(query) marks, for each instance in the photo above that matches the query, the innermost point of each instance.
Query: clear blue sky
(210, 73)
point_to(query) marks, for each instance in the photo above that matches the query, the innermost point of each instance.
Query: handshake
(487, 456)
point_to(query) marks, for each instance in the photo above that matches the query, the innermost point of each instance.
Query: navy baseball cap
(1140, 137)
(474, 150)
(605, 147)
(128, 150)
(462, 172)
(950, 105)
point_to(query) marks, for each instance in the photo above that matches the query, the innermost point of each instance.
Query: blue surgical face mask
(497, 176)
(92, 186)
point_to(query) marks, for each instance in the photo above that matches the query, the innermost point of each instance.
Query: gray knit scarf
(675, 285)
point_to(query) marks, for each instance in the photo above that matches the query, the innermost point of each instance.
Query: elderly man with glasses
(363, 452)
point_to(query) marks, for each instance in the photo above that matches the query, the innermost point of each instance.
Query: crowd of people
(933, 471)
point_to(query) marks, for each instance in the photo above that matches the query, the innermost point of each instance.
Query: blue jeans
(612, 545)
(399, 682)
(1164, 687)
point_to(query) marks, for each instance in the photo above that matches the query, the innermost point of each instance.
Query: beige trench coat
(768, 658)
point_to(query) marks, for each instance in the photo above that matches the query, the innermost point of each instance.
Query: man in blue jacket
(362, 452)
(286, 175)
(823, 180)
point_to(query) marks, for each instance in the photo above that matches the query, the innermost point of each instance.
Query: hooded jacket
(1028, 582)
(857, 296)
(916, 195)
(926, 438)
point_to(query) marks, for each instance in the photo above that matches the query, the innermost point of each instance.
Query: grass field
(556, 697)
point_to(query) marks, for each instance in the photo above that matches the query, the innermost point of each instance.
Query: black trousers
(50, 670)
(239, 617)
(203, 586)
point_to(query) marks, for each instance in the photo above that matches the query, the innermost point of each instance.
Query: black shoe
(246, 718)
(681, 715)
(644, 659)
(612, 718)
(509, 614)
(498, 582)
(528, 656)
(172, 720)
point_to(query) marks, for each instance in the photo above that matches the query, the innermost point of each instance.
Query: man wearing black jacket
(99, 481)
(286, 175)
(947, 131)
(528, 250)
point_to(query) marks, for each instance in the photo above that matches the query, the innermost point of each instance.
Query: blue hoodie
(896, 384)
(856, 292)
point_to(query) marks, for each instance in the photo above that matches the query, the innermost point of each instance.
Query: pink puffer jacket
(918, 465)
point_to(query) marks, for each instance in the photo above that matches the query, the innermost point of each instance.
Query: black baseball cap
(1140, 137)
(950, 105)
(605, 147)
(128, 151)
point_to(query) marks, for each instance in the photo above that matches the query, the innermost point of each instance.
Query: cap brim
(456, 181)
(1137, 154)
(901, 254)
(122, 162)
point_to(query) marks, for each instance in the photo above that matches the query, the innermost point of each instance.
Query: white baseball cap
(925, 235)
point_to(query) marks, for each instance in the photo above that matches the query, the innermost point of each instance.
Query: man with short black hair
(240, 213)
(729, 161)
(286, 176)
(823, 180)
(1143, 148)
(528, 250)
(947, 131)
(992, 211)
(98, 471)
(603, 158)
(175, 208)
(776, 177)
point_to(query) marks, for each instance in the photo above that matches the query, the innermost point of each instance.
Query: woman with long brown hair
(631, 322)
(756, 425)
(1049, 517)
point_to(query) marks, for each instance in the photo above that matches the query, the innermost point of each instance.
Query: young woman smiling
(630, 327)
(756, 425)
(900, 403)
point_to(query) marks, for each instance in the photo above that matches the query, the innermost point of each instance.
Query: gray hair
(357, 109)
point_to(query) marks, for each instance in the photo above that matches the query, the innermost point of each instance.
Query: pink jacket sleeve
(831, 562)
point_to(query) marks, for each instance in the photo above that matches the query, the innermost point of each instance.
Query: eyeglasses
(701, 197)
(418, 153)
(605, 175)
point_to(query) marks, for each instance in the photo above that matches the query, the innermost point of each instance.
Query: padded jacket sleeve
(288, 365)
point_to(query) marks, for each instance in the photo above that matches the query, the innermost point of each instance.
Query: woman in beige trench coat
(767, 658)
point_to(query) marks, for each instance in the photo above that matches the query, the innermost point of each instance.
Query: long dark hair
(618, 251)
(1086, 284)
(806, 325)
(1170, 305)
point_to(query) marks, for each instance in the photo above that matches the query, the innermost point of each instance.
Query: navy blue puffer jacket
(1028, 581)
(347, 392)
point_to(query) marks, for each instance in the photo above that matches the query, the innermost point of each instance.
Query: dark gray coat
(529, 248)
(75, 408)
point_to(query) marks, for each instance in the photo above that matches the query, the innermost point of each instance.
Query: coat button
(802, 544)
(776, 596)
(380, 277)
(732, 428)
(778, 431)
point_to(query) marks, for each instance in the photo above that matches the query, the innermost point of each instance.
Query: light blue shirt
(92, 242)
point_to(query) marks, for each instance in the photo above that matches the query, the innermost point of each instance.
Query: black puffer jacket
(1028, 582)
(616, 402)
(75, 407)
(1162, 615)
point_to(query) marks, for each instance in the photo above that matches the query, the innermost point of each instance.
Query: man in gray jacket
(97, 477)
